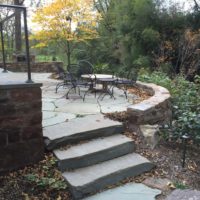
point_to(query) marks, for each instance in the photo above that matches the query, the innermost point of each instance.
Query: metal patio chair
(75, 72)
(126, 79)
(64, 76)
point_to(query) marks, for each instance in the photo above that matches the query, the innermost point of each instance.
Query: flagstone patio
(57, 109)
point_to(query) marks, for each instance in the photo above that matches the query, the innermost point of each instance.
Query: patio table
(105, 80)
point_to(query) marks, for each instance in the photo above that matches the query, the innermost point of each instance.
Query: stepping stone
(159, 183)
(79, 129)
(94, 151)
(91, 179)
(130, 191)
(184, 195)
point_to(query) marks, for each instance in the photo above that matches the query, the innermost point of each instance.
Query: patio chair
(85, 67)
(75, 72)
(64, 76)
(126, 79)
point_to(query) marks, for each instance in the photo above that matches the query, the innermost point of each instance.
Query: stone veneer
(21, 141)
(35, 66)
(155, 110)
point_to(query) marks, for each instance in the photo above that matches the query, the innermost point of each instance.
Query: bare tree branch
(197, 7)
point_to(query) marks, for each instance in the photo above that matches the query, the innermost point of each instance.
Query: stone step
(94, 151)
(78, 129)
(91, 179)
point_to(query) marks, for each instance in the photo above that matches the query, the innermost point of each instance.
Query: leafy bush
(142, 61)
(150, 37)
(185, 101)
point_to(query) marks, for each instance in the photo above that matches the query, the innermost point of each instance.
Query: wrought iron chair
(87, 68)
(126, 79)
(64, 76)
(75, 73)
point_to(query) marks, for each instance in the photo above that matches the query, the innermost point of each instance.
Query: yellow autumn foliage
(54, 24)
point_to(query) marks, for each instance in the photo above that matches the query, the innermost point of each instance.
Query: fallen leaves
(142, 94)
(118, 116)
(171, 185)
(167, 157)
(192, 166)
(35, 182)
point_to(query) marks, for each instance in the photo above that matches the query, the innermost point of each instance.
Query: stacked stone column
(21, 141)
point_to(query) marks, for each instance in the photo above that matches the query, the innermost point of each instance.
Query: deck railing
(24, 11)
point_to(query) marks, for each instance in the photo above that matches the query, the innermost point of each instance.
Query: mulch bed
(141, 94)
(40, 181)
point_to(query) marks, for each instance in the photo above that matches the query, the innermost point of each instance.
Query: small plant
(47, 176)
(180, 186)
(43, 182)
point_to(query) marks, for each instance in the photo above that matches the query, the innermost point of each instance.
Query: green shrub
(142, 61)
(150, 37)
(185, 101)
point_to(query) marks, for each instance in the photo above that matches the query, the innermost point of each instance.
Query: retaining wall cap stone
(161, 94)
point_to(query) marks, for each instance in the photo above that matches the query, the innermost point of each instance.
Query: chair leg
(85, 94)
(125, 91)
(113, 90)
(67, 97)
(59, 85)
(79, 91)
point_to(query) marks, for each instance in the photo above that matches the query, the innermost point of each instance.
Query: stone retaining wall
(21, 141)
(35, 67)
(155, 110)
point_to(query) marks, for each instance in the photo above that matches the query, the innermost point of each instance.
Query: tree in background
(66, 22)
(146, 33)
(127, 32)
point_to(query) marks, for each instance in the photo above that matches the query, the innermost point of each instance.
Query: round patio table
(97, 76)
(104, 79)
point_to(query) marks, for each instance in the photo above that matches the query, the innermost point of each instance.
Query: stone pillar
(21, 139)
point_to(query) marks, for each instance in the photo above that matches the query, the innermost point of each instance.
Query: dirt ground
(167, 157)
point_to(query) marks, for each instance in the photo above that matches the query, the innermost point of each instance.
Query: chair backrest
(60, 71)
(85, 67)
(122, 73)
(132, 74)
(74, 70)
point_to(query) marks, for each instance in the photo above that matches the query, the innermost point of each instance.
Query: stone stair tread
(85, 176)
(78, 125)
(92, 146)
(78, 129)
